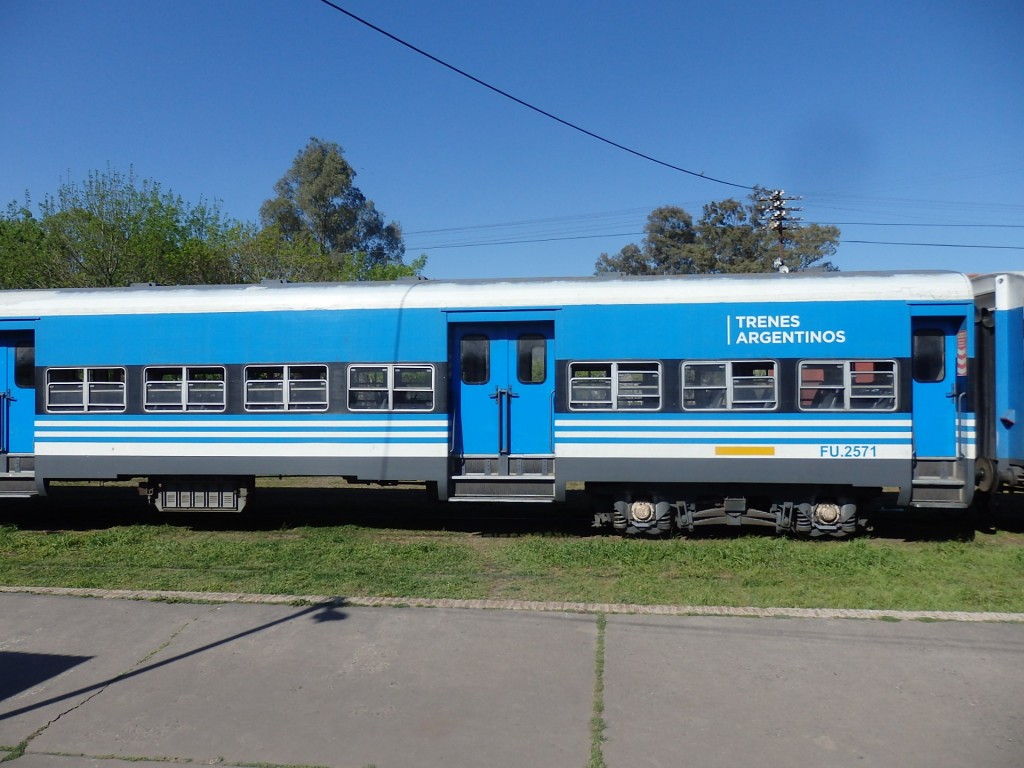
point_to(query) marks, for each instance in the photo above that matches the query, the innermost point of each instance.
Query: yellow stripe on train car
(744, 450)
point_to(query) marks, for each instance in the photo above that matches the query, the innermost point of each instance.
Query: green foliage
(668, 247)
(319, 210)
(730, 237)
(114, 229)
(22, 242)
(747, 570)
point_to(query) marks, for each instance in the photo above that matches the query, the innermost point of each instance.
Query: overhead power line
(528, 241)
(526, 104)
(940, 245)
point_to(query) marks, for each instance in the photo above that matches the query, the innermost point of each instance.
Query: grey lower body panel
(111, 467)
(740, 473)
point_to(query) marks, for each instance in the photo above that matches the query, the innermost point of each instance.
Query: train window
(929, 355)
(638, 386)
(731, 385)
(754, 385)
(177, 388)
(475, 359)
(368, 387)
(855, 385)
(85, 389)
(390, 387)
(615, 386)
(413, 388)
(25, 365)
(531, 358)
(286, 388)
(873, 385)
(590, 386)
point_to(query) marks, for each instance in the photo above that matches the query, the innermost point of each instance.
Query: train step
(502, 488)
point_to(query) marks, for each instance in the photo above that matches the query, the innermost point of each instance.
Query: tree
(114, 230)
(730, 237)
(667, 249)
(318, 208)
(22, 251)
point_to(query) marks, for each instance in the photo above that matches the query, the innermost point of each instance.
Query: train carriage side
(999, 301)
(790, 401)
(784, 400)
(201, 390)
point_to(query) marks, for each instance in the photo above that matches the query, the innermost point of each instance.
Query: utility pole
(780, 219)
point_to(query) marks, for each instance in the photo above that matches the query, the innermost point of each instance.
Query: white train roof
(492, 294)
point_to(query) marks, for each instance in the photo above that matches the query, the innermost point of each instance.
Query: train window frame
(724, 396)
(393, 393)
(852, 393)
(287, 380)
(92, 383)
(189, 381)
(623, 394)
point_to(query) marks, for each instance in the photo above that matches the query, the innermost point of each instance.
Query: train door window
(615, 386)
(25, 365)
(475, 359)
(531, 358)
(176, 388)
(286, 388)
(85, 389)
(391, 387)
(928, 355)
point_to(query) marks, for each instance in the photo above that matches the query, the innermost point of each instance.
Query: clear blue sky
(876, 112)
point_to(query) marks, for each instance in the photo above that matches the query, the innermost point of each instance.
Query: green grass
(983, 574)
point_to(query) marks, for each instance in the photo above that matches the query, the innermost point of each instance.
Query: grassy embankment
(983, 572)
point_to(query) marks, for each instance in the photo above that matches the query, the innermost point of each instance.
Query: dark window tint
(531, 359)
(929, 355)
(475, 359)
(25, 366)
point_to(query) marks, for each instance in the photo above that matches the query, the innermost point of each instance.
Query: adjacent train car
(795, 401)
(1000, 381)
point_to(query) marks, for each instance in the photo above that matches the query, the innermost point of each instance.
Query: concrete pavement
(92, 682)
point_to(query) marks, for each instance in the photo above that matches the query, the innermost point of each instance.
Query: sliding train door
(17, 412)
(502, 410)
(943, 426)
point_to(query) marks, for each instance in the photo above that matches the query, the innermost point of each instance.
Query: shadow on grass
(98, 506)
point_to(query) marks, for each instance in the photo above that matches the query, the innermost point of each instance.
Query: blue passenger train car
(796, 401)
(1000, 381)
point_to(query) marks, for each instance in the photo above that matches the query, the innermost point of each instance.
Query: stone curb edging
(522, 605)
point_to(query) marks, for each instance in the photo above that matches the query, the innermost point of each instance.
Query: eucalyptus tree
(320, 212)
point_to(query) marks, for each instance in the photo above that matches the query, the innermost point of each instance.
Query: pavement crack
(22, 747)
(597, 721)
